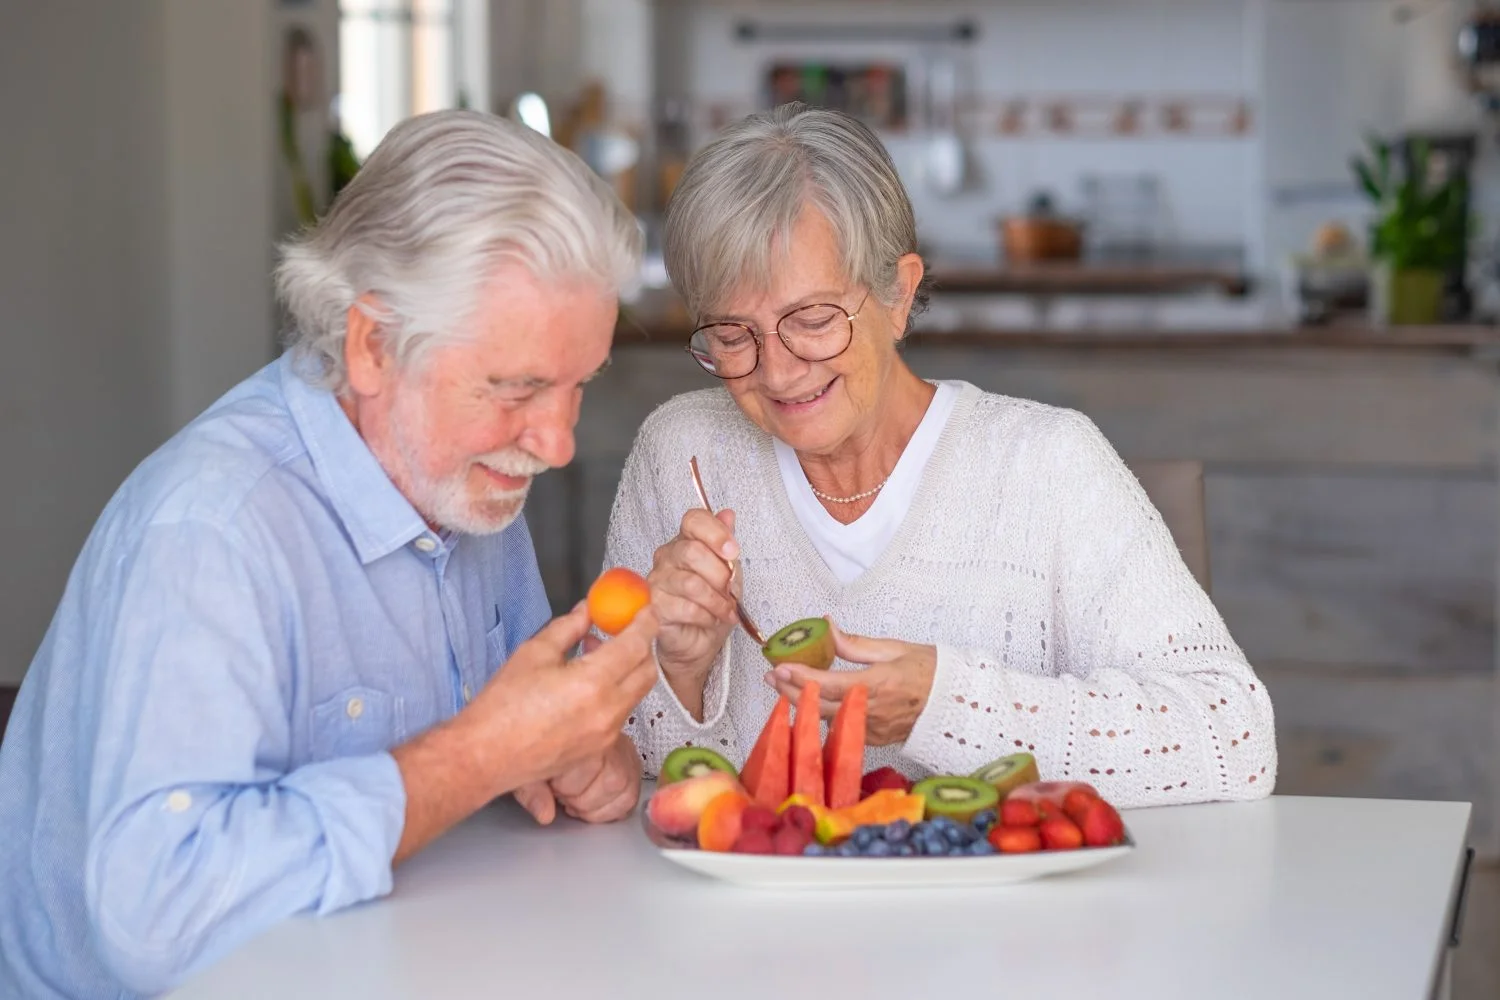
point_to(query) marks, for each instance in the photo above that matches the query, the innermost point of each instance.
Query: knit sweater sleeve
(1153, 702)
(646, 515)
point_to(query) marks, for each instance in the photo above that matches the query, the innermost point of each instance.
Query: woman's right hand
(694, 597)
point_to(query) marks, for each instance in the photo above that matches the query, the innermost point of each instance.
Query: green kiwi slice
(808, 642)
(690, 762)
(957, 798)
(1009, 772)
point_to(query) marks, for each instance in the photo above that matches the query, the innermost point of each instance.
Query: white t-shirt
(850, 549)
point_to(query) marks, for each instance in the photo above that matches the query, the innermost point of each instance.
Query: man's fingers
(621, 656)
(562, 634)
(863, 649)
(536, 798)
(591, 642)
(576, 779)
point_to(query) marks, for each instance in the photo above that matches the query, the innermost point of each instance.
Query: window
(398, 58)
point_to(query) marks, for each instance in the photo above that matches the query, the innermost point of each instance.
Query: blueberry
(921, 827)
(814, 851)
(941, 823)
(878, 849)
(906, 849)
(898, 831)
(980, 848)
(865, 836)
(984, 821)
(957, 836)
(847, 850)
(934, 843)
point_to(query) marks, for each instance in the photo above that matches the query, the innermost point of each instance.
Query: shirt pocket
(358, 720)
(495, 648)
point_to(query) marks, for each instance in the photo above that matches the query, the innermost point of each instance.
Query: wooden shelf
(1083, 278)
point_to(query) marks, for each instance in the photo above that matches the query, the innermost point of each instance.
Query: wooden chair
(1176, 489)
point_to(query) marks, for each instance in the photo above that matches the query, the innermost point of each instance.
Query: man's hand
(899, 679)
(600, 790)
(541, 715)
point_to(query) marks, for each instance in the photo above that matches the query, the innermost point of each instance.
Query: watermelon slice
(844, 754)
(767, 774)
(807, 746)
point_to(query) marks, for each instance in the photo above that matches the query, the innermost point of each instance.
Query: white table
(1284, 898)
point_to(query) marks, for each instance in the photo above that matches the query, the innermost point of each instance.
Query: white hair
(445, 199)
(742, 193)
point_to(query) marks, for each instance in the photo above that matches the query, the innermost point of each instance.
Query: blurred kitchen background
(1258, 236)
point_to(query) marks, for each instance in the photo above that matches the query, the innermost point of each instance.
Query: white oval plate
(782, 872)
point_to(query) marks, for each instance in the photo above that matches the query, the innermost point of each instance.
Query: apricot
(615, 598)
(722, 820)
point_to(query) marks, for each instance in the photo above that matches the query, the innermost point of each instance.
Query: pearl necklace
(858, 496)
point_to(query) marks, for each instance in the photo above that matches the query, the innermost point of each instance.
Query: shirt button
(355, 708)
(425, 544)
(179, 801)
(468, 695)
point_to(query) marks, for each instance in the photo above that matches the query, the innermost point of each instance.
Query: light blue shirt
(199, 749)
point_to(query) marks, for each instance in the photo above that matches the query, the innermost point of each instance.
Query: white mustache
(514, 463)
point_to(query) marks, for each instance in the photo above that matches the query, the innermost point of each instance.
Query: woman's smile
(797, 404)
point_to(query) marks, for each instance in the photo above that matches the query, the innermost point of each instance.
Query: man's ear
(909, 271)
(365, 357)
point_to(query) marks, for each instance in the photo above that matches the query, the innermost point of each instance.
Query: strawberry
(1015, 839)
(753, 842)
(882, 777)
(1101, 825)
(1060, 834)
(758, 818)
(1017, 812)
(1076, 803)
(790, 840)
(801, 818)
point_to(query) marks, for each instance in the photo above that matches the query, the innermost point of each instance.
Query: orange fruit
(615, 598)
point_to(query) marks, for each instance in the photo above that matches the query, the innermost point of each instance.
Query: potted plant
(1418, 233)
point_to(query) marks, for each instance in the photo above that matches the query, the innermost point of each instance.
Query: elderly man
(308, 634)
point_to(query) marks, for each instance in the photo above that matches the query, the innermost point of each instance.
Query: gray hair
(742, 193)
(442, 201)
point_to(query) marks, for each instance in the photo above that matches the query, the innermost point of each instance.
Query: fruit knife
(739, 609)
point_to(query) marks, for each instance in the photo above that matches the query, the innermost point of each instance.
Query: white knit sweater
(1065, 621)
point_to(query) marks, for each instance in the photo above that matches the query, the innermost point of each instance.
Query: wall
(1033, 48)
(133, 269)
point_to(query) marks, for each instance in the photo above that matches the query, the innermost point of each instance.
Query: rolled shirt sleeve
(198, 835)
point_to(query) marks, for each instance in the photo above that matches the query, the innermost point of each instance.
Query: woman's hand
(898, 675)
(694, 599)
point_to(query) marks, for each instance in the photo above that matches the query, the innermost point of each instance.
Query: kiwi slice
(1009, 772)
(957, 798)
(690, 762)
(808, 642)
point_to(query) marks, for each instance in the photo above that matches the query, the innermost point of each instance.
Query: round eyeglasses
(817, 332)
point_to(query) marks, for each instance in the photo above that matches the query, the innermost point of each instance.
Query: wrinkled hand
(693, 595)
(599, 790)
(898, 675)
(546, 715)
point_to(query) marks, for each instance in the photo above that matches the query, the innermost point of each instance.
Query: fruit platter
(802, 812)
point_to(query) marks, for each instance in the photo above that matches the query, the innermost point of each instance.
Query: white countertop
(1284, 898)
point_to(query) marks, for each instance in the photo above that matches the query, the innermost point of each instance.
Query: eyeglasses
(818, 332)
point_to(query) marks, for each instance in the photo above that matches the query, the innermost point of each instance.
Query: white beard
(446, 500)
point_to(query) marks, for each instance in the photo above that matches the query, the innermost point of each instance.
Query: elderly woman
(1025, 592)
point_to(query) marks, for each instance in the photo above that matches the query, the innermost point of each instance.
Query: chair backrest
(1176, 489)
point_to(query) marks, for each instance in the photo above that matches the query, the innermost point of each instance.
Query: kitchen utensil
(739, 608)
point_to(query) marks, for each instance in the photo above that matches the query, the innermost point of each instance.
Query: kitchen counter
(968, 321)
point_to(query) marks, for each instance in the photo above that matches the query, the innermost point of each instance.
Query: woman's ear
(909, 272)
(366, 360)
